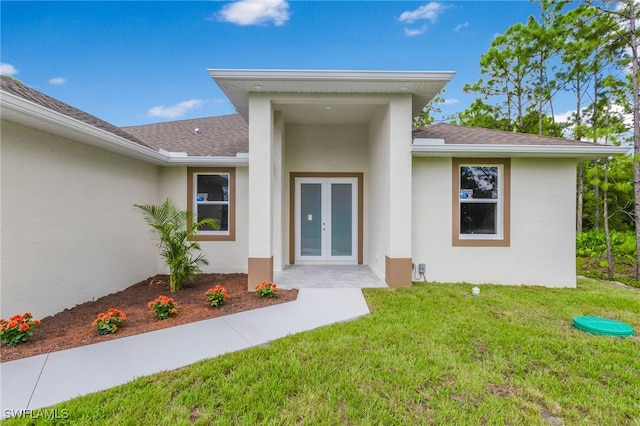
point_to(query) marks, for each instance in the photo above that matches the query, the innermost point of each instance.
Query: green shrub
(592, 244)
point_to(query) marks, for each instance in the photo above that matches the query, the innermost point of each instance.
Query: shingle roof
(14, 87)
(223, 136)
(227, 136)
(454, 134)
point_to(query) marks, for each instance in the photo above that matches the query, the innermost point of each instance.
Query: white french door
(326, 219)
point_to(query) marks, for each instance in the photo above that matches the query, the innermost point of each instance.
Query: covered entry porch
(319, 142)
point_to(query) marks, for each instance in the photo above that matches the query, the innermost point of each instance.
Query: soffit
(238, 84)
(581, 153)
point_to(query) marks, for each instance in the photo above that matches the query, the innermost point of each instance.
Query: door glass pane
(310, 219)
(341, 219)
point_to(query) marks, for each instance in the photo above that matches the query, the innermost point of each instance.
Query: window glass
(478, 182)
(212, 188)
(481, 211)
(212, 200)
(216, 212)
(211, 196)
(478, 218)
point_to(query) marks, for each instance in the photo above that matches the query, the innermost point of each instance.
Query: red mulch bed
(72, 327)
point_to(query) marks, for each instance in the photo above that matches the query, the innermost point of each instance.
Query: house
(317, 167)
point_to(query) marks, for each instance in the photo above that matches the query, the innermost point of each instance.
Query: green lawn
(430, 354)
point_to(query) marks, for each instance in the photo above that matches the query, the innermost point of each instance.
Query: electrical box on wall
(421, 268)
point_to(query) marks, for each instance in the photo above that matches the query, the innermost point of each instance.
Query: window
(481, 197)
(211, 194)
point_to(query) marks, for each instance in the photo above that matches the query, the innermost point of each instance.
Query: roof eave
(19, 110)
(207, 161)
(30, 114)
(514, 151)
(237, 84)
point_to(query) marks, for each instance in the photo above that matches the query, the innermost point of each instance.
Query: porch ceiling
(237, 84)
(327, 113)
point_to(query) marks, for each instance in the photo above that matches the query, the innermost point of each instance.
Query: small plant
(17, 329)
(217, 295)
(175, 228)
(163, 307)
(108, 322)
(267, 289)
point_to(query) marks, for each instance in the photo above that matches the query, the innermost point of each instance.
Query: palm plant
(174, 228)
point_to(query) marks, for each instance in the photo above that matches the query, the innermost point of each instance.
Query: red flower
(24, 327)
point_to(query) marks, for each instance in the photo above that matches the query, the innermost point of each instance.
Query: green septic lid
(604, 326)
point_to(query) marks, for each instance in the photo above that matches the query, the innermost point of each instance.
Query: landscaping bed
(72, 327)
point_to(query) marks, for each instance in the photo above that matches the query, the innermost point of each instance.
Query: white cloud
(564, 117)
(412, 33)
(256, 12)
(58, 80)
(450, 101)
(461, 26)
(429, 11)
(7, 69)
(175, 111)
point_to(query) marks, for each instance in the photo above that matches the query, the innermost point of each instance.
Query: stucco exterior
(70, 232)
(542, 247)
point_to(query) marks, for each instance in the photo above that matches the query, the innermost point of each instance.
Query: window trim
(191, 173)
(504, 213)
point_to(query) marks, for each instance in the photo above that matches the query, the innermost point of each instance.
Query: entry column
(398, 260)
(260, 263)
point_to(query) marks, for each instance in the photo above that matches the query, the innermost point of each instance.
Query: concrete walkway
(44, 380)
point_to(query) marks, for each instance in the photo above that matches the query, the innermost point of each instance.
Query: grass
(429, 354)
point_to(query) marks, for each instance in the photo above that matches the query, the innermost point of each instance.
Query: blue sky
(142, 62)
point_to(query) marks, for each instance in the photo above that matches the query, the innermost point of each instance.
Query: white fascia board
(530, 151)
(239, 83)
(207, 161)
(30, 114)
(329, 75)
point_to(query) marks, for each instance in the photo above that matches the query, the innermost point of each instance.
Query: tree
(626, 14)
(516, 66)
(425, 117)
(174, 229)
(591, 60)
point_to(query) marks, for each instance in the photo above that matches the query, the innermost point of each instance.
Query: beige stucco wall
(542, 250)
(70, 232)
